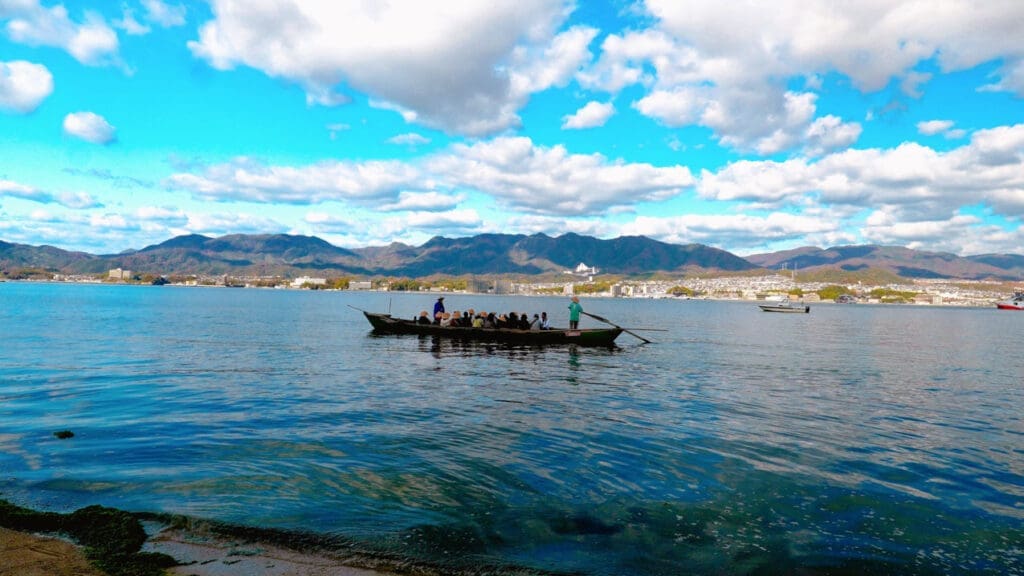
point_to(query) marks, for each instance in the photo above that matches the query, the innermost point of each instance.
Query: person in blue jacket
(438, 309)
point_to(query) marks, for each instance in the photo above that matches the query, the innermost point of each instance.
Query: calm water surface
(855, 439)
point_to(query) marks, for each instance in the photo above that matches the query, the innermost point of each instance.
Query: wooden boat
(785, 306)
(385, 324)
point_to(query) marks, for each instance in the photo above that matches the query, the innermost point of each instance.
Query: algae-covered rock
(107, 529)
(18, 518)
(112, 538)
(137, 564)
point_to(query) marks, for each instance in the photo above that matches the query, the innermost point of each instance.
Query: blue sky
(747, 126)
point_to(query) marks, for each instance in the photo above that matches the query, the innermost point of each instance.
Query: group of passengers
(473, 319)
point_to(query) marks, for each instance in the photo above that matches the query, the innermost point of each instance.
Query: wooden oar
(607, 321)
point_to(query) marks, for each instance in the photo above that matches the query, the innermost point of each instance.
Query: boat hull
(385, 324)
(786, 309)
(1010, 305)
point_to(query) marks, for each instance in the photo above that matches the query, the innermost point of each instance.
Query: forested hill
(292, 255)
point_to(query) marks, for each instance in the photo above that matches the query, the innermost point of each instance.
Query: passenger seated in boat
(437, 317)
(423, 318)
(478, 321)
(446, 320)
(544, 325)
(456, 319)
(513, 320)
(524, 321)
(491, 321)
(535, 323)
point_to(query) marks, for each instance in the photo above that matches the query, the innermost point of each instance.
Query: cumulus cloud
(23, 86)
(911, 185)
(91, 42)
(247, 180)
(553, 181)
(461, 67)
(90, 127)
(729, 67)
(592, 115)
(830, 133)
(516, 172)
(960, 234)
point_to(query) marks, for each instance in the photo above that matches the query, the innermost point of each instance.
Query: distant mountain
(897, 260)
(537, 254)
(44, 257)
(241, 254)
(290, 255)
(282, 254)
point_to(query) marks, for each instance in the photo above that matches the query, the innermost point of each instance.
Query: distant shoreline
(979, 298)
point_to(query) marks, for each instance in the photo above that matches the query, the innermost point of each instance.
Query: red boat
(1015, 303)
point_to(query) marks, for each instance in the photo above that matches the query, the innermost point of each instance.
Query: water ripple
(855, 439)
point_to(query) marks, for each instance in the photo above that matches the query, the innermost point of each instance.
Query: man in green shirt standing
(574, 313)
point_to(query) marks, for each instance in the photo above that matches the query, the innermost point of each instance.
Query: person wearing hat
(439, 308)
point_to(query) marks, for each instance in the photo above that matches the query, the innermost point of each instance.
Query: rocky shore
(98, 541)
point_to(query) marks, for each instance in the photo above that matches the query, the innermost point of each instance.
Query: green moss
(135, 564)
(112, 538)
(109, 530)
(18, 518)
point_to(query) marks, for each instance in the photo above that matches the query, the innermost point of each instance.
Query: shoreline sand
(25, 553)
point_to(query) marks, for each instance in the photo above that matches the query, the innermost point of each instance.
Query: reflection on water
(855, 439)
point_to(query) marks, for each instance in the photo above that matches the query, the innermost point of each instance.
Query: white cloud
(830, 133)
(729, 66)
(220, 224)
(91, 42)
(422, 201)
(410, 139)
(9, 188)
(130, 25)
(552, 65)
(163, 14)
(90, 127)
(465, 219)
(247, 180)
(462, 67)
(959, 234)
(592, 115)
(74, 200)
(932, 127)
(553, 181)
(23, 86)
(737, 231)
(512, 170)
(911, 184)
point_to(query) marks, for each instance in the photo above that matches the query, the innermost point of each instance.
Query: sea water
(854, 439)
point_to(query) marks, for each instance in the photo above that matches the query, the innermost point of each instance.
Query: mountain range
(291, 255)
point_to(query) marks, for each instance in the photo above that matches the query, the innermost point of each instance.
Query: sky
(744, 125)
